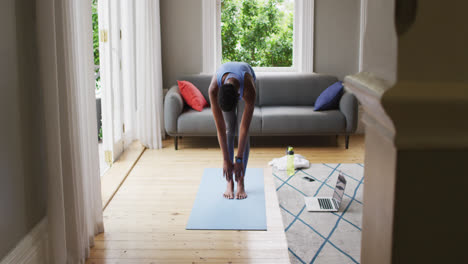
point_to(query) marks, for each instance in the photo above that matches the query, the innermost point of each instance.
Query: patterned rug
(322, 237)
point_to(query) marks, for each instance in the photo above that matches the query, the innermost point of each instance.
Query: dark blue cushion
(330, 98)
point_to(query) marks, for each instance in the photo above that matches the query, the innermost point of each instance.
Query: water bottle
(290, 161)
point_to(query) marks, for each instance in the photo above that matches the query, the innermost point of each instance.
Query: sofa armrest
(173, 106)
(349, 108)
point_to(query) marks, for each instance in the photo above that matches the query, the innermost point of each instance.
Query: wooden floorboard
(145, 220)
(115, 175)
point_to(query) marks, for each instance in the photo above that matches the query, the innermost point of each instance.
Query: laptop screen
(339, 189)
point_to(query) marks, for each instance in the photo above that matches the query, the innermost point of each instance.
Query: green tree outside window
(96, 42)
(259, 32)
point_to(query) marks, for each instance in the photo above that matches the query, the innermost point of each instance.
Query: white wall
(337, 34)
(380, 40)
(181, 37)
(336, 37)
(22, 184)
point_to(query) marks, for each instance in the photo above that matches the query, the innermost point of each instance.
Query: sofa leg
(176, 141)
(347, 141)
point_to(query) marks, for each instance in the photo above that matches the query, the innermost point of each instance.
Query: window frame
(303, 38)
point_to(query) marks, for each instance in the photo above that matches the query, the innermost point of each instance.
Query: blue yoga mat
(211, 211)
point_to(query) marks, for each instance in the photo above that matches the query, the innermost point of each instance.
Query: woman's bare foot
(240, 194)
(229, 193)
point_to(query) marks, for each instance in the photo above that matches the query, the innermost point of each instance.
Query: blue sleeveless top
(236, 70)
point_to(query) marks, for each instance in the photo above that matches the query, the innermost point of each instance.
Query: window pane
(259, 32)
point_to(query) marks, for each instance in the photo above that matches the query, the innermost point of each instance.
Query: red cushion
(192, 96)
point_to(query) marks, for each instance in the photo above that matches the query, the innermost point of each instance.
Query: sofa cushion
(289, 120)
(256, 124)
(202, 82)
(292, 89)
(191, 122)
(192, 96)
(330, 98)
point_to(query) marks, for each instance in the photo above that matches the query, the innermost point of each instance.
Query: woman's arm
(249, 99)
(220, 127)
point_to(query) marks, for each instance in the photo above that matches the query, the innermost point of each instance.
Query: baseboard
(32, 249)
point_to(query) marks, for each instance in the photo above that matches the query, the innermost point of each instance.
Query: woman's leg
(240, 193)
(245, 155)
(230, 119)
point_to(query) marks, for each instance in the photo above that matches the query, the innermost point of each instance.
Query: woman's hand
(227, 170)
(239, 170)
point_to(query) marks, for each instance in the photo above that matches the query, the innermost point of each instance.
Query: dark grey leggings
(233, 120)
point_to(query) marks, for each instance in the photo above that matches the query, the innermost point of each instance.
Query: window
(271, 35)
(259, 32)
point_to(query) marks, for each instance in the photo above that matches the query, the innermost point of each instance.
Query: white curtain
(148, 73)
(131, 73)
(74, 209)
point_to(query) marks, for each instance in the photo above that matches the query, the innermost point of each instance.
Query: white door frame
(111, 78)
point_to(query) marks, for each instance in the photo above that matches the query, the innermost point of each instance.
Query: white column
(416, 104)
(304, 36)
(211, 34)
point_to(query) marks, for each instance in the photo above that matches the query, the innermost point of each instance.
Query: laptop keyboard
(337, 206)
(325, 203)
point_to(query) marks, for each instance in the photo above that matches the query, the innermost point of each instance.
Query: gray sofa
(284, 107)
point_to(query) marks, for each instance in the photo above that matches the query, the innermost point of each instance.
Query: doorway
(113, 46)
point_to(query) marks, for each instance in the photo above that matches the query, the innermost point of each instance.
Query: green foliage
(259, 32)
(95, 32)
(96, 41)
(100, 133)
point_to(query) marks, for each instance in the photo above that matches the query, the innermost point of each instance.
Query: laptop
(327, 204)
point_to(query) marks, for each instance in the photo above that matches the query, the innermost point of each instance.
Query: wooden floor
(115, 175)
(145, 221)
